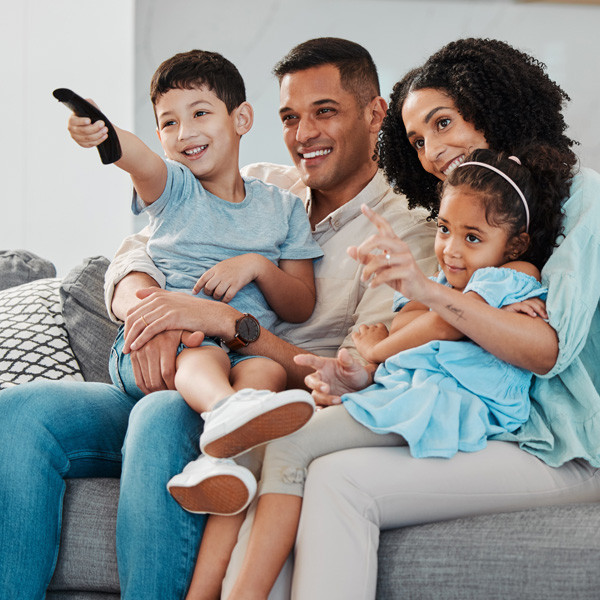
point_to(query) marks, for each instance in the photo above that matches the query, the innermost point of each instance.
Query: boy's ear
(517, 246)
(243, 118)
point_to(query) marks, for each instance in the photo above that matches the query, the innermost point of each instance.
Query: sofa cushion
(33, 338)
(87, 559)
(21, 266)
(91, 332)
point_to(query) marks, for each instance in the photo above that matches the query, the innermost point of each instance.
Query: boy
(232, 239)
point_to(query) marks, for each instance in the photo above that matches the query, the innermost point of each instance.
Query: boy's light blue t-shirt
(192, 230)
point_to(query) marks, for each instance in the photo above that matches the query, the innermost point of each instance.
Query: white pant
(351, 495)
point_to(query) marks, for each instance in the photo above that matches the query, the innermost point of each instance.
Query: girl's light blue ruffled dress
(444, 396)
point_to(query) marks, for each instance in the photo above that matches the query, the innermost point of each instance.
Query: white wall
(59, 200)
(400, 34)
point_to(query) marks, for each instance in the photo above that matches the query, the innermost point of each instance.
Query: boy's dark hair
(503, 92)
(539, 177)
(358, 73)
(197, 68)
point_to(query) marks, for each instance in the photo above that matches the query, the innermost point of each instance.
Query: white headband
(502, 174)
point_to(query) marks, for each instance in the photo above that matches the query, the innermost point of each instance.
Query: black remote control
(109, 149)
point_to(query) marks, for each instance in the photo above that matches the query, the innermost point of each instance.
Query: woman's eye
(419, 144)
(443, 123)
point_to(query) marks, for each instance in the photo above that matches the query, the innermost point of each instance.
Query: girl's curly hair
(505, 93)
(542, 178)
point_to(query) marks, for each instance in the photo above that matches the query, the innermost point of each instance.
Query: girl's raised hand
(393, 265)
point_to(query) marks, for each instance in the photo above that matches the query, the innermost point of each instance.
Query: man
(331, 113)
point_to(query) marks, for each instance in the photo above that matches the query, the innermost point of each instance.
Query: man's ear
(517, 246)
(377, 109)
(243, 118)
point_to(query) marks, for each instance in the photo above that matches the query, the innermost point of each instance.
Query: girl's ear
(244, 118)
(517, 246)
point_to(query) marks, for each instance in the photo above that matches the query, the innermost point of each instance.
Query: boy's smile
(196, 130)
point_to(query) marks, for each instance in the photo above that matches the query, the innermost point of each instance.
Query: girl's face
(465, 241)
(437, 131)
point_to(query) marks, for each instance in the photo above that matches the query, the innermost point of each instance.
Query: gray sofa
(548, 552)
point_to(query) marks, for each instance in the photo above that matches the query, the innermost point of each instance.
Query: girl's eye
(472, 239)
(442, 229)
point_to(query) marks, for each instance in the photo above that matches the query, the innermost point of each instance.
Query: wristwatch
(247, 330)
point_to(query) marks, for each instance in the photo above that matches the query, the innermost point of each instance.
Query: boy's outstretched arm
(147, 170)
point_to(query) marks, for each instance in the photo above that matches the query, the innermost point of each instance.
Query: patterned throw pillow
(33, 338)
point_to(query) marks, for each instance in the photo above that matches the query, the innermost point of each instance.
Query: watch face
(248, 329)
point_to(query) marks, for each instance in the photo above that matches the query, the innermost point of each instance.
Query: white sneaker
(250, 418)
(214, 486)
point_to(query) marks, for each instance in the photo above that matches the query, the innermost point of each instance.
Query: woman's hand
(394, 265)
(334, 376)
(367, 337)
(534, 307)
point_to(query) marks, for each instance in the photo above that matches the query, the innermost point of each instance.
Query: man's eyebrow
(287, 109)
(428, 117)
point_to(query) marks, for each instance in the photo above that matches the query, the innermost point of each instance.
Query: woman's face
(437, 131)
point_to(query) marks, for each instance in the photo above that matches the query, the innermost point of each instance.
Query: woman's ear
(244, 118)
(517, 246)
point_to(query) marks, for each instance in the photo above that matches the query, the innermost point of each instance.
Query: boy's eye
(472, 239)
(167, 124)
(200, 113)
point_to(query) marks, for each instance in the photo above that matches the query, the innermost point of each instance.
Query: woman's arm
(523, 341)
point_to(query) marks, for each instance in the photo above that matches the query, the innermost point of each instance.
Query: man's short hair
(358, 73)
(197, 68)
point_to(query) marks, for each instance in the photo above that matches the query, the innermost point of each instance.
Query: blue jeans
(50, 431)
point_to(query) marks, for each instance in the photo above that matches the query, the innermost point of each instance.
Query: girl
(435, 393)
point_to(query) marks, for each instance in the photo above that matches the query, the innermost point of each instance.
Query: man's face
(327, 134)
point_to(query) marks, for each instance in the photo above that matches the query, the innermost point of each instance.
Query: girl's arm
(288, 288)
(147, 169)
(516, 338)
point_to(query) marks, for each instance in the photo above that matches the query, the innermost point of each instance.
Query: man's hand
(154, 363)
(161, 310)
(334, 376)
(228, 277)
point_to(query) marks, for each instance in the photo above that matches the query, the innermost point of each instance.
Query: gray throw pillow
(20, 266)
(91, 332)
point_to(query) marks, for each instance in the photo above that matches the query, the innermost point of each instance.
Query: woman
(471, 94)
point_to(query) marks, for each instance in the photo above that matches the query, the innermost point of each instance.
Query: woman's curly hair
(542, 178)
(505, 93)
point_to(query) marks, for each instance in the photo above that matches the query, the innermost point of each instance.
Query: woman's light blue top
(565, 403)
(446, 396)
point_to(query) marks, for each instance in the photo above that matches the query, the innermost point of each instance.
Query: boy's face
(196, 130)
(326, 132)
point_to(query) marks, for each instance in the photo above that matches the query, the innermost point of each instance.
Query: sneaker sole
(264, 428)
(218, 495)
